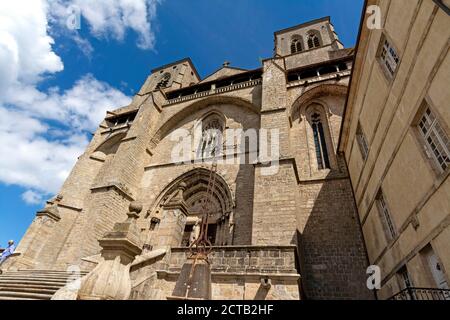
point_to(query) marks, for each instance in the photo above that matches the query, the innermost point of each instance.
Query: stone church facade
(291, 234)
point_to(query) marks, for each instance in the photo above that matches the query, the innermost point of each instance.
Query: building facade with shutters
(395, 138)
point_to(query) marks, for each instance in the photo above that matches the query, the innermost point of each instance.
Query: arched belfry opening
(195, 185)
(314, 39)
(296, 44)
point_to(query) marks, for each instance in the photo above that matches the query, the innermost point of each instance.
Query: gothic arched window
(323, 161)
(296, 45)
(313, 41)
(212, 134)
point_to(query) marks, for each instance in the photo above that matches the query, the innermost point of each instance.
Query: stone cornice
(244, 247)
(233, 275)
(116, 187)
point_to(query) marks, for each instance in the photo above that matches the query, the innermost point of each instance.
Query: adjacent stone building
(285, 230)
(395, 137)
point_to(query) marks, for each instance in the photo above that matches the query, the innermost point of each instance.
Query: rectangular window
(385, 215)
(405, 280)
(388, 56)
(362, 141)
(437, 142)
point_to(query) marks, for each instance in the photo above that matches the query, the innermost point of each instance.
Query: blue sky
(55, 93)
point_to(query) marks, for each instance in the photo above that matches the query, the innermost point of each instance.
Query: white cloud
(32, 197)
(83, 106)
(84, 45)
(36, 153)
(39, 156)
(31, 160)
(25, 47)
(112, 18)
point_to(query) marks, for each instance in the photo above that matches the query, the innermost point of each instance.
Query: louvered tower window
(296, 45)
(313, 41)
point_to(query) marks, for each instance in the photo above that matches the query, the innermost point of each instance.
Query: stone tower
(283, 230)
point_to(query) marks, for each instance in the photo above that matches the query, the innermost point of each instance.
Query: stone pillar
(222, 231)
(110, 280)
(171, 228)
(219, 232)
(276, 189)
(36, 238)
(230, 234)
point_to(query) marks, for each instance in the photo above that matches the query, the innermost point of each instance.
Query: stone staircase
(33, 284)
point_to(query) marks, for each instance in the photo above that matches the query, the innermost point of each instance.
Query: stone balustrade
(245, 260)
(321, 78)
(213, 91)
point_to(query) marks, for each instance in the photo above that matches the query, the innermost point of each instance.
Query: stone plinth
(110, 280)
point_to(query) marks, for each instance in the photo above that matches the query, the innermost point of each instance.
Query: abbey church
(126, 217)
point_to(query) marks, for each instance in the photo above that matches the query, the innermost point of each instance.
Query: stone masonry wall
(334, 261)
(295, 208)
(236, 274)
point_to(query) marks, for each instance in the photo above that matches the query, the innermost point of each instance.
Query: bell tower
(315, 34)
(176, 75)
(307, 43)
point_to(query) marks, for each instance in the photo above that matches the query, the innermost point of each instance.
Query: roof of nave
(223, 72)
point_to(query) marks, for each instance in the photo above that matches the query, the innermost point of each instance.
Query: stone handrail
(320, 78)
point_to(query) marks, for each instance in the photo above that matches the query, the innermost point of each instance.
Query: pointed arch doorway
(195, 183)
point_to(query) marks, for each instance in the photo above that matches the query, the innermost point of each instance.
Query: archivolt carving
(196, 182)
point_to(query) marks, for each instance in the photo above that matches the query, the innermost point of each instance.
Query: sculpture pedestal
(110, 280)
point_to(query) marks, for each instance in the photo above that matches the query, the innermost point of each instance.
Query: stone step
(26, 289)
(12, 279)
(43, 271)
(21, 276)
(35, 275)
(47, 273)
(33, 284)
(30, 285)
(21, 295)
(15, 298)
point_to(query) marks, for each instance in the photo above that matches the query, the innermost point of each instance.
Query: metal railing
(412, 293)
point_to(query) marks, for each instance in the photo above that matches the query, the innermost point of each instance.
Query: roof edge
(305, 24)
(223, 67)
(343, 132)
(188, 60)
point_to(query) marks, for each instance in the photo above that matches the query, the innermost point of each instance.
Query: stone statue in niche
(195, 232)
